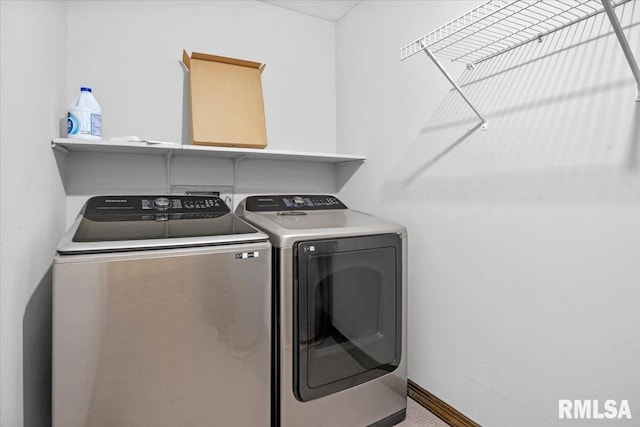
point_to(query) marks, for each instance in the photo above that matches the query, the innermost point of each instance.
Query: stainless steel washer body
(340, 320)
(161, 316)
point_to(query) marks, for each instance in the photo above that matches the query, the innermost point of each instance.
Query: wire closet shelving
(498, 26)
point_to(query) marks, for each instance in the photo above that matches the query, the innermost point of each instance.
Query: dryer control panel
(293, 202)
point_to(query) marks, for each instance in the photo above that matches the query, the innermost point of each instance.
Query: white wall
(524, 239)
(32, 211)
(130, 52)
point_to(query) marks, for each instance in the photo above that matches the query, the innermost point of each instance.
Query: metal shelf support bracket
(624, 44)
(167, 158)
(236, 166)
(455, 85)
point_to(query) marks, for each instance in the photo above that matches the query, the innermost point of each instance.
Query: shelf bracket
(168, 158)
(59, 147)
(624, 44)
(455, 85)
(236, 166)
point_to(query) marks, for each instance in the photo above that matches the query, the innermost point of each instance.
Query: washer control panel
(292, 202)
(153, 207)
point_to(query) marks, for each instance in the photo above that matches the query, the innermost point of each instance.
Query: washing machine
(161, 316)
(339, 303)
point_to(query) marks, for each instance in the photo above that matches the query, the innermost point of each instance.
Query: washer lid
(121, 223)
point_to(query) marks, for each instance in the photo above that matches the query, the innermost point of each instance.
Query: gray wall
(32, 211)
(524, 239)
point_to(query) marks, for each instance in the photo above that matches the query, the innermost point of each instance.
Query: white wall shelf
(498, 26)
(175, 150)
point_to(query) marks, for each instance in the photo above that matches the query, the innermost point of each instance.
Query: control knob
(298, 201)
(162, 203)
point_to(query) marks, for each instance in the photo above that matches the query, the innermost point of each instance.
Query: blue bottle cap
(85, 89)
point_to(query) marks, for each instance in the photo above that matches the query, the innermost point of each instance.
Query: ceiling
(331, 10)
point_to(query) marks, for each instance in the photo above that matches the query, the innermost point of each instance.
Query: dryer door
(347, 311)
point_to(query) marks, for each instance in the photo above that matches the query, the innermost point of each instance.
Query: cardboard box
(227, 108)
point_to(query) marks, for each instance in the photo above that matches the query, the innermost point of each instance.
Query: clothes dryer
(339, 303)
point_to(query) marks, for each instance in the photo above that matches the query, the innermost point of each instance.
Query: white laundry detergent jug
(84, 117)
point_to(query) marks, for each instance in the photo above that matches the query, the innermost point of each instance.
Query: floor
(417, 416)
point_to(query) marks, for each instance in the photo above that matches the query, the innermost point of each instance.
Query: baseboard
(443, 410)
